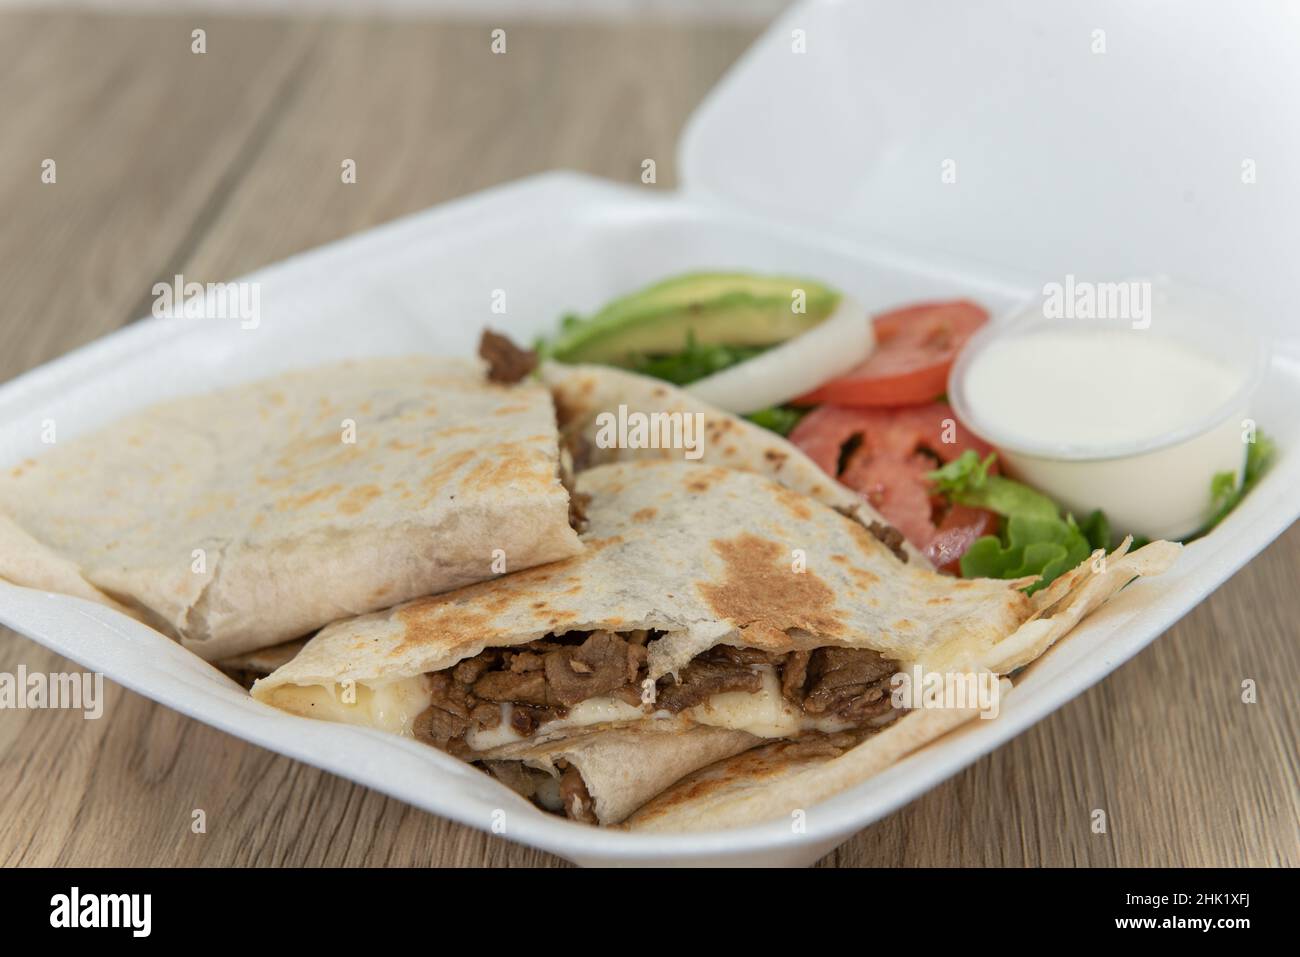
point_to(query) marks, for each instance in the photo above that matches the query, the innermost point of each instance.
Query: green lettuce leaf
(780, 419)
(694, 362)
(1225, 492)
(1034, 540)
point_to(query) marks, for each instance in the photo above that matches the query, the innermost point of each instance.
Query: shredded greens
(694, 362)
(1034, 539)
(697, 362)
(780, 419)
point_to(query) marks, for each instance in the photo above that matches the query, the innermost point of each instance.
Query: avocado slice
(734, 309)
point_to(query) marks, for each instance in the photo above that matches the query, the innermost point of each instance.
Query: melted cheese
(581, 715)
(392, 706)
(765, 713)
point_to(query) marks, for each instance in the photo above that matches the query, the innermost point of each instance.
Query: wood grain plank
(429, 113)
(144, 135)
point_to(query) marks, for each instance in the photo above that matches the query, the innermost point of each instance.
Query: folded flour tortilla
(583, 392)
(778, 779)
(706, 600)
(240, 519)
(248, 667)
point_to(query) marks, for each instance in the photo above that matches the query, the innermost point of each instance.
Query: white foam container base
(553, 243)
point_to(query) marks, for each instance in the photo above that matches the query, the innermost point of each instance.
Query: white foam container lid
(866, 210)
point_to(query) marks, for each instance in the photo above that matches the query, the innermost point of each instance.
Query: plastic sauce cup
(1134, 415)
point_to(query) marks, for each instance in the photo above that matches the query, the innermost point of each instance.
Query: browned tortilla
(239, 519)
(703, 556)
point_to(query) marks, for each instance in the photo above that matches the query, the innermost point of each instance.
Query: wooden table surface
(211, 165)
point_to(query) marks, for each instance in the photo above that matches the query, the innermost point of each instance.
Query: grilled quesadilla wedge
(240, 519)
(584, 392)
(779, 778)
(706, 600)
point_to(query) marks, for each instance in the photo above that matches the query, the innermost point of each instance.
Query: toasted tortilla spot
(511, 409)
(794, 503)
(509, 468)
(862, 577)
(453, 629)
(765, 597)
(644, 514)
(445, 469)
(397, 445)
(458, 430)
(293, 502)
(355, 501)
(308, 450)
(704, 478)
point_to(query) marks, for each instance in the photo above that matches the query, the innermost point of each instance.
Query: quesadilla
(781, 777)
(240, 519)
(585, 393)
(711, 609)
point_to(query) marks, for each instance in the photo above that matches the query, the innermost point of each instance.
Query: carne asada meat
(541, 680)
(507, 363)
(704, 677)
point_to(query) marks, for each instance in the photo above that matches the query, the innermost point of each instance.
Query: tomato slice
(915, 348)
(884, 454)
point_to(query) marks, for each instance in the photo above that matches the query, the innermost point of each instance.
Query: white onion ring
(827, 350)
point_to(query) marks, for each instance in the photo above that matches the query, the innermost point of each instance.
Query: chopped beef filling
(887, 535)
(566, 794)
(577, 800)
(890, 537)
(580, 450)
(794, 676)
(846, 684)
(507, 363)
(543, 679)
(578, 501)
(705, 676)
(601, 665)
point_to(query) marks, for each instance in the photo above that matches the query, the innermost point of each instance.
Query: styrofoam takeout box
(885, 93)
